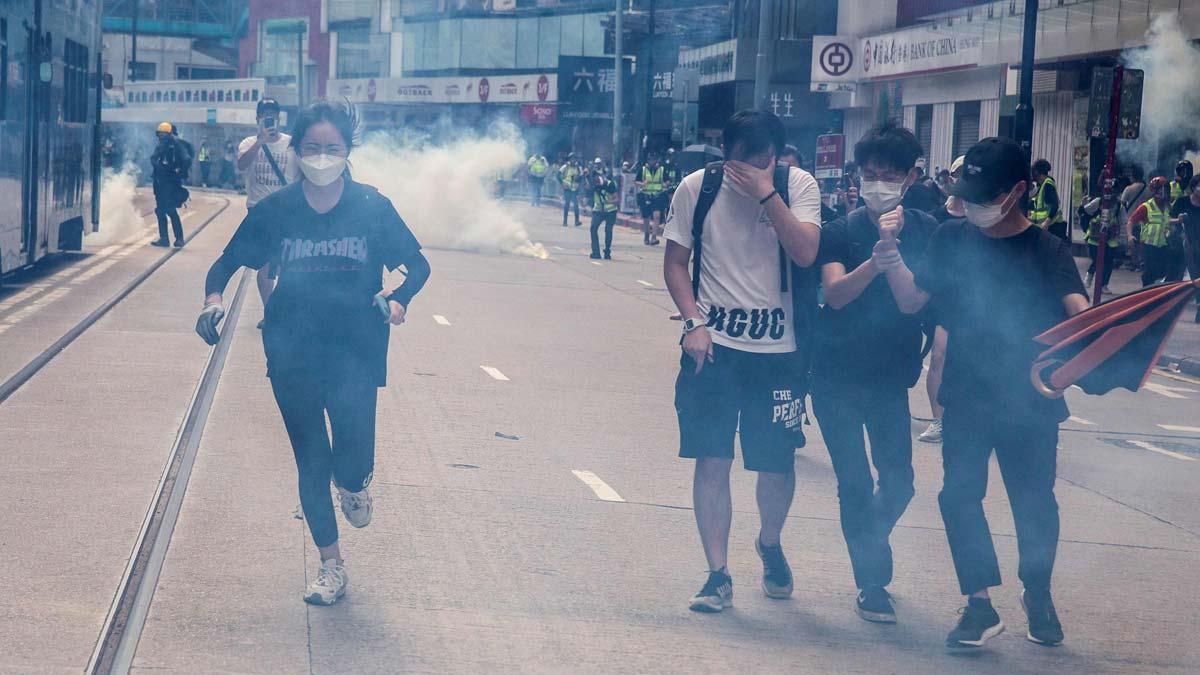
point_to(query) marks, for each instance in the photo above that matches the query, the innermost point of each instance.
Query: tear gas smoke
(444, 191)
(119, 218)
(1170, 98)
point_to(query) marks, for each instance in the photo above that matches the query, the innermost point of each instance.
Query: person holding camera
(267, 163)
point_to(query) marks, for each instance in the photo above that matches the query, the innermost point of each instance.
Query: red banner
(538, 114)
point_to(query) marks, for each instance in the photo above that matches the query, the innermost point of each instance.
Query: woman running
(326, 334)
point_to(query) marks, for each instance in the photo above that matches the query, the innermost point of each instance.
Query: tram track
(122, 629)
(26, 373)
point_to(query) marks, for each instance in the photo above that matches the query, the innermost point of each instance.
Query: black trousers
(1163, 263)
(570, 198)
(609, 218)
(535, 185)
(166, 206)
(1027, 451)
(344, 451)
(1112, 260)
(868, 512)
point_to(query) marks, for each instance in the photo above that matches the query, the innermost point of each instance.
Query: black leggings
(304, 401)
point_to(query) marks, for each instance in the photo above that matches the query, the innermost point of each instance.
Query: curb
(1180, 364)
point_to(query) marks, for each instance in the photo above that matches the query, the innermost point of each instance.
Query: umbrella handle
(1035, 374)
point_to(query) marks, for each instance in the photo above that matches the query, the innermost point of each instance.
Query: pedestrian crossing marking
(647, 284)
(1180, 427)
(1080, 420)
(494, 373)
(1154, 448)
(602, 489)
(1168, 391)
(441, 320)
(596, 263)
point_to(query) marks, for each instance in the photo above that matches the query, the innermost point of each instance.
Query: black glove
(206, 325)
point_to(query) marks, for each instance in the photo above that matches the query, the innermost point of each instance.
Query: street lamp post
(618, 41)
(1023, 118)
(762, 71)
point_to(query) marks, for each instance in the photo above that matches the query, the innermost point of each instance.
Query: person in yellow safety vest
(1155, 219)
(1089, 213)
(204, 157)
(569, 174)
(1183, 178)
(672, 176)
(650, 197)
(537, 166)
(605, 196)
(1047, 207)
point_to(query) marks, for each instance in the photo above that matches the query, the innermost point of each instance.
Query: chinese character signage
(586, 86)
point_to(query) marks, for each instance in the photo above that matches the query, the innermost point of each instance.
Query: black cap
(267, 106)
(991, 168)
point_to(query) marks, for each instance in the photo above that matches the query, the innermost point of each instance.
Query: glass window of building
(593, 34)
(548, 41)
(277, 45)
(572, 35)
(361, 53)
(491, 43)
(449, 45)
(527, 42)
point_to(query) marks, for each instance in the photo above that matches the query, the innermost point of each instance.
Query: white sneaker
(356, 506)
(933, 434)
(1105, 291)
(330, 584)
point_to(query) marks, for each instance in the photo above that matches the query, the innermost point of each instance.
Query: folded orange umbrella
(1114, 344)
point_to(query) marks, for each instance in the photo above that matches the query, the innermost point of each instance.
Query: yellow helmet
(164, 128)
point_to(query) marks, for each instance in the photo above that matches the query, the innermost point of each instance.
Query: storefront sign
(830, 156)
(537, 88)
(716, 63)
(918, 50)
(243, 92)
(835, 63)
(539, 114)
(588, 86)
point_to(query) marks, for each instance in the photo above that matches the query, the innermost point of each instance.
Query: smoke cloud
(444, 191)
(119, 217)
(1170, 99)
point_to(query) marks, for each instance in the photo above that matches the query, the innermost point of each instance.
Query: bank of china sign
(839, 62)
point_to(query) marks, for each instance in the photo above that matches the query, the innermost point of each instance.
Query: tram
(50, 90)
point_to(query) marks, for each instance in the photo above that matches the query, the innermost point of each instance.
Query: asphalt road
(531, 514)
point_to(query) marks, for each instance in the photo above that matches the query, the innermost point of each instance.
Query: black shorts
(754, 394)
(651, 203)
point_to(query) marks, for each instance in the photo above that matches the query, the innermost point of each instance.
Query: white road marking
(495, 373)
(558, 248)
(647, 284)
(1169, 392)
(441, 320)
(602, 489)
(1154, 448)
(1080, 420)
(597, 264)
(1179, 427)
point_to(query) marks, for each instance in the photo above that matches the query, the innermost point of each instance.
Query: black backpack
(803, 280)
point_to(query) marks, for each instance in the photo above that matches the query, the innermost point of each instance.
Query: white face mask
(322, 169)
(881, 196)
(985, 216)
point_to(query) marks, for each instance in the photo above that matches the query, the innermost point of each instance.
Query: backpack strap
(274, 165)
(781, 186)
(714, 173)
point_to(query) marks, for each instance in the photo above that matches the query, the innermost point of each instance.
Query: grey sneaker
(330, 584)
(356, 506)
(777, 575)
(933, 434)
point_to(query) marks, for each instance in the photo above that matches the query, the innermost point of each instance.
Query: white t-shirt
(739, 264)
(260, 178)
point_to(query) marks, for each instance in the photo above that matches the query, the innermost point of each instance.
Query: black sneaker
(178, 243)
(1044, 627)
(608, 256)
(716, 595)
(594, 256)
(978, 624)
(777, 576)
(160, 242)
(874, 604)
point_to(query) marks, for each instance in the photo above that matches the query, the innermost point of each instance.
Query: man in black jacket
(168, 164)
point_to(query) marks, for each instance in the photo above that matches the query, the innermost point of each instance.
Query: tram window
(3, 69)
(75, 82)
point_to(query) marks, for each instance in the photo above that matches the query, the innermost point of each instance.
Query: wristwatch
(690, 325)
